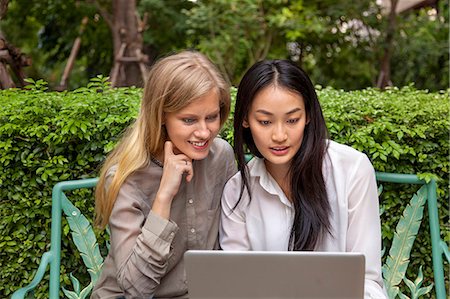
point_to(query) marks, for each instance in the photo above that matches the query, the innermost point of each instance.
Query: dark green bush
(402, 131)
(48, 137)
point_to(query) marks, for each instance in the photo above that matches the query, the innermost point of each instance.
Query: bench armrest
(45, 261)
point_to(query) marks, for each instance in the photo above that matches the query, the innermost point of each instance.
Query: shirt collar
(257, 169)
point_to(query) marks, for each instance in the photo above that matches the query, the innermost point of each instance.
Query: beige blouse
(146, 255)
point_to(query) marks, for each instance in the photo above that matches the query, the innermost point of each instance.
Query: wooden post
(72, 57)
(117, 64)
(142, 59)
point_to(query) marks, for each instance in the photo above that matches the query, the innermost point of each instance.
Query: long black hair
(309, 195)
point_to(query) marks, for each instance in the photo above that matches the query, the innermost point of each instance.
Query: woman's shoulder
(232, 190)
(220, 145)
(234, 181)
(221, 150)
(344, 152)
(345, 156)
(255, 167)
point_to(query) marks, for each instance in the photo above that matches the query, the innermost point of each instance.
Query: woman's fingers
(184, 165)
(168, 150)
(180, 159)
(189, 171)
(175, 165)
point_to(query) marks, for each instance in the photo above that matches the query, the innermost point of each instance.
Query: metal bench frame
(61, 203)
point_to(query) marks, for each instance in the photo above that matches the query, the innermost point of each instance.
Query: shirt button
(192, 230)
(172, 234)
(190, 201)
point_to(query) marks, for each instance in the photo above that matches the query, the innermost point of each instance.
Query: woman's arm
(364, 230)
(232, 230)
(140, 243)
(141, 237)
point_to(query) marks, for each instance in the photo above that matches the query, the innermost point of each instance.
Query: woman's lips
(279, 150)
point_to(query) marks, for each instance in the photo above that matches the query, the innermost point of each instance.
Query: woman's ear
(245, 123)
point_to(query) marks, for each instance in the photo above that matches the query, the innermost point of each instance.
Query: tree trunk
(129, 60)
(384, 77)
(3, 8)
(5, 79)
(11, 61)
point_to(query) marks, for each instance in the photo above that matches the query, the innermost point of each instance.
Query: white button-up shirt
(265, 222)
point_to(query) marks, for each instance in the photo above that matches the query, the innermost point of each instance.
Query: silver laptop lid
(268, 274)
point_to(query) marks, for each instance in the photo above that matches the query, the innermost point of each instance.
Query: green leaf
(84, 238)
(75, 283)
(86, 291)
(423, 291)
(70, 294)
(409, 284)
(397, 262)
(29, 80)
(77, 293)
(415, 287)
(44, 176)
(402, 296)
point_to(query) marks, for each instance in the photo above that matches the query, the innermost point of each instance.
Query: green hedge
(47, 137)
(403, 131)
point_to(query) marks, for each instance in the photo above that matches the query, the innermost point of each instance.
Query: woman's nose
(202, 131)
(279, 133)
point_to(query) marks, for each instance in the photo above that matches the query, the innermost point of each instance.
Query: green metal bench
(61, 204)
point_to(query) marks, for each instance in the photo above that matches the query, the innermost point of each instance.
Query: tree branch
(3, 8)
(104, 13)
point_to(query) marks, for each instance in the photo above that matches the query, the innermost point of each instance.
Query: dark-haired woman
(302, 191)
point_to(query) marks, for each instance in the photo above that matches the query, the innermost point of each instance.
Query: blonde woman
(159, 190)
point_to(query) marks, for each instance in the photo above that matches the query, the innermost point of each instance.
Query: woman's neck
(280, 174)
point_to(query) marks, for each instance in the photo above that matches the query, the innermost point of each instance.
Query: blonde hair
(173, 83)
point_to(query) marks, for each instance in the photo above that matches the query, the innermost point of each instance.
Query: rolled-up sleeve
(141, 243)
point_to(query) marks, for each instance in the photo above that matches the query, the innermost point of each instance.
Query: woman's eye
(212, 117)
(188, 120)
(264, 122)
(293, 120)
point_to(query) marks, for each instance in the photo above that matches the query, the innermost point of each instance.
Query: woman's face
(277, 120)
(193, 128)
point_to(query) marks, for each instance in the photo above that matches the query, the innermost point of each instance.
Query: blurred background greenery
(344, 44)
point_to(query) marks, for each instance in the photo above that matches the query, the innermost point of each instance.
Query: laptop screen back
(266, 274)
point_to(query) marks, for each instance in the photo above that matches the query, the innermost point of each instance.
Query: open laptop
(268, 274)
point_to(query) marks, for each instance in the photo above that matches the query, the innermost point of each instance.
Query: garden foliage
(47, 137)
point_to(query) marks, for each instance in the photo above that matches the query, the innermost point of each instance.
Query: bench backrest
(86, 242)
